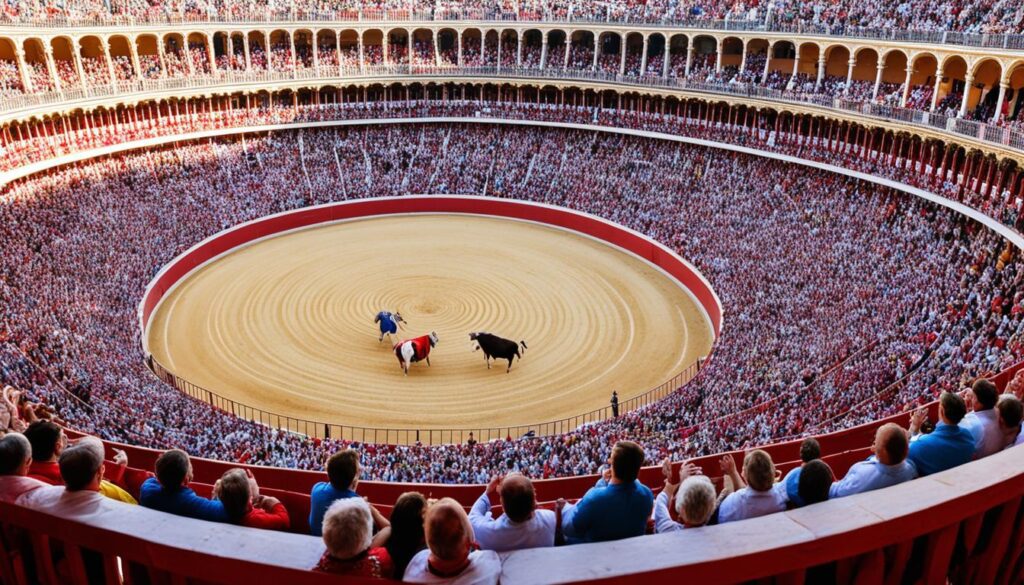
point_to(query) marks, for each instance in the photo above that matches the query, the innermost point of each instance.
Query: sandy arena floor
(286, 325)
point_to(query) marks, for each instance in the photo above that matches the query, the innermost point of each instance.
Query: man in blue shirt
(809, 451)
(169, 491)
(617, 507)
(343, 473)
(888, 466)
(948, 445)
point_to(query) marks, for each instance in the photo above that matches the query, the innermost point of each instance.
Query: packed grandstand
(867, 261)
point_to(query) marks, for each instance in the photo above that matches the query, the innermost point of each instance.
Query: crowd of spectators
(969, 16)
(847, 287)
(435, 541)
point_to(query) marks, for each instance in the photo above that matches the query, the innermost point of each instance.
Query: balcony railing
(670, 20)
(987, 133)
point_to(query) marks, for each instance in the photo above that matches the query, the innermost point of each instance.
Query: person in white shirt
(521, 526)
(450, 557)
(888, 466)
(1011, 411)
(81, 468)
(695, 499)
(756, 496)
(15, 460)
(983, 422)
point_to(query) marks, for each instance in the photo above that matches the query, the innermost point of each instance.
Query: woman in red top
(348, 533)
(237, 490)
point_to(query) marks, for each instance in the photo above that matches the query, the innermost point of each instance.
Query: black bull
(497, 348)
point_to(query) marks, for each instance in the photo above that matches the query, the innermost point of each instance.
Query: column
(291, 43)
(906, 86)
(499, 50)
(51, 67)
(245, 49)
(161, 55)
(359, 48)
(622, 56)
(519, 49)
(543, 50)
(315, 46)
(796, 68)
(968, 82)
(1003, 86)
(110, 62)
(718, 55)
(935, 93)
(689, 58)
(743, 59)
(878, 80)
(459, 45)
(437, 54)
(385, 41)
(597, 46)
(187, 54)
(643, 58)
(666, 56)
(212, 54)
(135, 59)
(849, 75)
(821, 71)
(230, 48)
(565, 57)
(767, 60)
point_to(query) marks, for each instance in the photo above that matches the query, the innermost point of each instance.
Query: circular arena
(283, 323)
(757, 271)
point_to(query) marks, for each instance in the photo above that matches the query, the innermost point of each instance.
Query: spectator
(348, 535)
(1010, 413)
(809, 451)
(169, 491)
(982, 420)
(405, 537)
(343, 475)
(755, 496)
(48, 442)
(237, 491)
(618, 506)
(695, 499)
(888, 466)
(948, 445)
(521, 525)
(450, 556)
(108, 488)
(815, 480)
(15, 461)
(81, 470)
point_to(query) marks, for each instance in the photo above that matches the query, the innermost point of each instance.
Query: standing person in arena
(343, 477)
(615, 404)
(618, 506)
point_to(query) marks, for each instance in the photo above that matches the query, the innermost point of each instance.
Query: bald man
(888, 466)
(521, 526)
(450, 557)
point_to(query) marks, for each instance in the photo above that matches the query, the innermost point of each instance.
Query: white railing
(493, 16)
(992, 134)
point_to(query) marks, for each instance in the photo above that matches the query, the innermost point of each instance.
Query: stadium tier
(837, 187)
